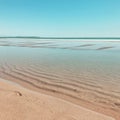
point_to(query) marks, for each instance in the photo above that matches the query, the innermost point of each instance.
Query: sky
(60, 18)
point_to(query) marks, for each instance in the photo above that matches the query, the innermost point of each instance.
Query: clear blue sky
(60, 17)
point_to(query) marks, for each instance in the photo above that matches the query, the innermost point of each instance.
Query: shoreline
(81, 104)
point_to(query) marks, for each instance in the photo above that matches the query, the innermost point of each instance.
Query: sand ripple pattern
(61, 86)
(75, 88)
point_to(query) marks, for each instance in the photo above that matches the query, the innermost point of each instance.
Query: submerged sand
(86, 74)
(17, 103)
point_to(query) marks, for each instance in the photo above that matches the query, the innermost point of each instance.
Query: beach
(59, 80)
(22, 104)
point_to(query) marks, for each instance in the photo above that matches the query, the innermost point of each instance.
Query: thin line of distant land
(37, 37)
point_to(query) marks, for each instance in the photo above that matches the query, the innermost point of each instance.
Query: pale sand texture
(17, 103)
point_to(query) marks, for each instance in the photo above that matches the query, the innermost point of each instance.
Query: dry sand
(17, 103)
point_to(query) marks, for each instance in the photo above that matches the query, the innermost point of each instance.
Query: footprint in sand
(13, 92)
(18, 93)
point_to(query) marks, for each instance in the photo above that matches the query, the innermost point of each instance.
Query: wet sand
(103, 48)
(17, 103)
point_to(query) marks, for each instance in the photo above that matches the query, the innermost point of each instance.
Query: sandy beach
(17, 103)
(59, 60)
(82, 77)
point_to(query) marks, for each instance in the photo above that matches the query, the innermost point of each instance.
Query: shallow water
(78, 68)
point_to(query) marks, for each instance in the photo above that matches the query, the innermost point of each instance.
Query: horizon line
(38, 37)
